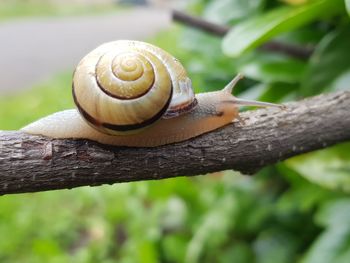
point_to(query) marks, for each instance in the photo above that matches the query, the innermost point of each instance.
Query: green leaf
(225, 11)
(208, 68)
(329, 168)
(241, 252)
(273, 68)
(334, 213)
(213, 230)
(333, 244)
(272, 92)
(342, 81)
(310, 194)
(347, 5)
(275, 245)
(278, 91)
(330, 60)
(174, 246)
(256, 31)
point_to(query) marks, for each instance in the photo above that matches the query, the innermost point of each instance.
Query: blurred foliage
(26, 8)
(35, 103)
(255, 31)
(295, 211)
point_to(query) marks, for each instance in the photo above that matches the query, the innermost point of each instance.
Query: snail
(131, 93)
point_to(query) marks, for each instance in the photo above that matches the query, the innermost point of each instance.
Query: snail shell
(124, 86)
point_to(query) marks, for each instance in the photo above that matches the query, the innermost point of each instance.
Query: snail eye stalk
(229, 87)
(243, 102)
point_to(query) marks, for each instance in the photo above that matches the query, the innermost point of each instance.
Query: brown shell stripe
(122, 98)
(125, 127)
(178, 111)
(119, 97)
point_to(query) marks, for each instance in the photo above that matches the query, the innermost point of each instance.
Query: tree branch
(293, 50)
(33, 163)
(200, 23)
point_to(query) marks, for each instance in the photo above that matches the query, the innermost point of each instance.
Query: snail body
(131, 93)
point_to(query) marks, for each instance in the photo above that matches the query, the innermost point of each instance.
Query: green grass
(10, 9)
(21, 109)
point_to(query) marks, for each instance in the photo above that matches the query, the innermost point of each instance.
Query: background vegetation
(10, 9)
(296, 211)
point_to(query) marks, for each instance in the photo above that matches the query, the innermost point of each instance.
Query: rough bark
(33, 163)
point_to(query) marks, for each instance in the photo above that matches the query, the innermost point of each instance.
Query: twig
(199, 23)
(295, 51)
(33, 163)
(292, 50)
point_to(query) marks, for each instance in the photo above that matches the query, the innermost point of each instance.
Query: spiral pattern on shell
(124, 86)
